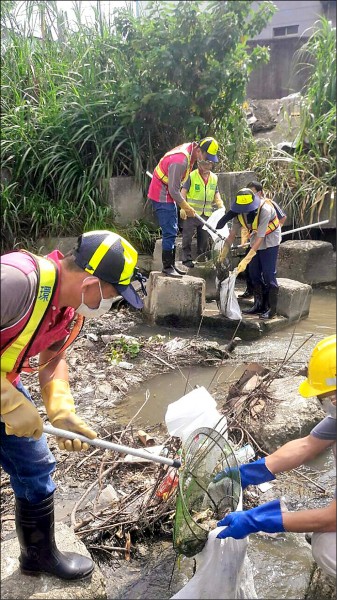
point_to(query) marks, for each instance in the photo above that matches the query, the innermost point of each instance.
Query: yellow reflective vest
(200, 194)
(272, 225)
(14, 353)
(161, 170)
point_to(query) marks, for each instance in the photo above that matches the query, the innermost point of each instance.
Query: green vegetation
(123, 348)
(305, 180)
(85, 103)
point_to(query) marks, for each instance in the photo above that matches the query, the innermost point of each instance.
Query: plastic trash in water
(195, 409)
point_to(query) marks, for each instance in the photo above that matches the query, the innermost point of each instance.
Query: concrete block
(230, 183)
(207, 272)
(294, 299)
(307, 261)
(172, 301)
(126, 199)
(156, 262)
(63, 244)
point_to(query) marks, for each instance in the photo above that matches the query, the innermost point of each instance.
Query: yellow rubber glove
(245, 261)
(183, 214)
(60, 409)
(19, 414)
(190, 212)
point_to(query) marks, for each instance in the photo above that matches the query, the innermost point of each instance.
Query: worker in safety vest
(257, 189)
(259, 218)
(201, 192)
(169, 175)
(269, 517)
(41, 298)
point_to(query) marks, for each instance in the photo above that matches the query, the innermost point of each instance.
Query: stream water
(281, 564)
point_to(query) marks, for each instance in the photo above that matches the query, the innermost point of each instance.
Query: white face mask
(329, 407)
(91, 313)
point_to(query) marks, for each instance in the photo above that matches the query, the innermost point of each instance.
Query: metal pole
(70, 435)
(292, 231)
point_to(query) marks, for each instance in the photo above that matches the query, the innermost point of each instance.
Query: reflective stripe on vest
(14, 354)
(178, 150)
(201, 195)
(272, 225)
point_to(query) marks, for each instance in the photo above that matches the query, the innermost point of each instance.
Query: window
(286, 30)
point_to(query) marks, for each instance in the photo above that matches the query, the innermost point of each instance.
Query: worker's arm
(217, 202)
(175, 175)
(183, 192)
(317, 520)
(270, 518)
(58, 400)
(296, 453)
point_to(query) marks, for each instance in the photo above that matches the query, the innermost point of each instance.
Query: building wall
(294, 12)
(278, 78)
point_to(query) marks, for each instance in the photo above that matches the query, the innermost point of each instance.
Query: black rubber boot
(180, 271)
(168, 264)
(258, 301)
(39, 553)
(272, 301)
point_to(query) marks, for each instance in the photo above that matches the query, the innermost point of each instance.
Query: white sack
(223, 571)
(229, 305)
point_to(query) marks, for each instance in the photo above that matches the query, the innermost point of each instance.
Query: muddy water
(281, 564)
(169, 387)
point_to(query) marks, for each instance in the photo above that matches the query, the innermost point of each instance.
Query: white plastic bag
(195, 409)
(213, 221)
(223, 571)
(229, 305)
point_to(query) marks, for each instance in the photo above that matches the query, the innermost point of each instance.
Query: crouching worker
(258, 218)
(41, 298)
(321, 382)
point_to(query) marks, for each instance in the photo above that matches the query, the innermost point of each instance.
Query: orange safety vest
(161, 170)
(14, 354)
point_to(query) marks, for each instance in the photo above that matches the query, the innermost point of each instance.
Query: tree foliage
(82, 104)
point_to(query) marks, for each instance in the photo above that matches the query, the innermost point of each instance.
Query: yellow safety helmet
(112, 259)
(321, 369)
(211, 147)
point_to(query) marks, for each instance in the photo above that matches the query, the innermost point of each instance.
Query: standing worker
(169, 175)
(40, 298)
(259, 218)
(321, 522)
(257, 189)
(201, 192)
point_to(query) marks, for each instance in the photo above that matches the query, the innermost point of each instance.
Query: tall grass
(86, 102)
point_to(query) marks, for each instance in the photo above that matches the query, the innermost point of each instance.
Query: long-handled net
(201, 501)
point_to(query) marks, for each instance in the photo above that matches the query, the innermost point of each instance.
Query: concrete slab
(307, 261)
(173, 301)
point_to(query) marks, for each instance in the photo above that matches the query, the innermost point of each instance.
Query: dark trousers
(190, 225)
(28, 462)
(262, 268)
(167, 216)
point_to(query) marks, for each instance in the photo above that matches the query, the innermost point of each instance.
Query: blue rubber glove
(255, 473)
(250, 473)
(267, 517)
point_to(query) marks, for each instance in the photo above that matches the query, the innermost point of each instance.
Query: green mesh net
(200, 500)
